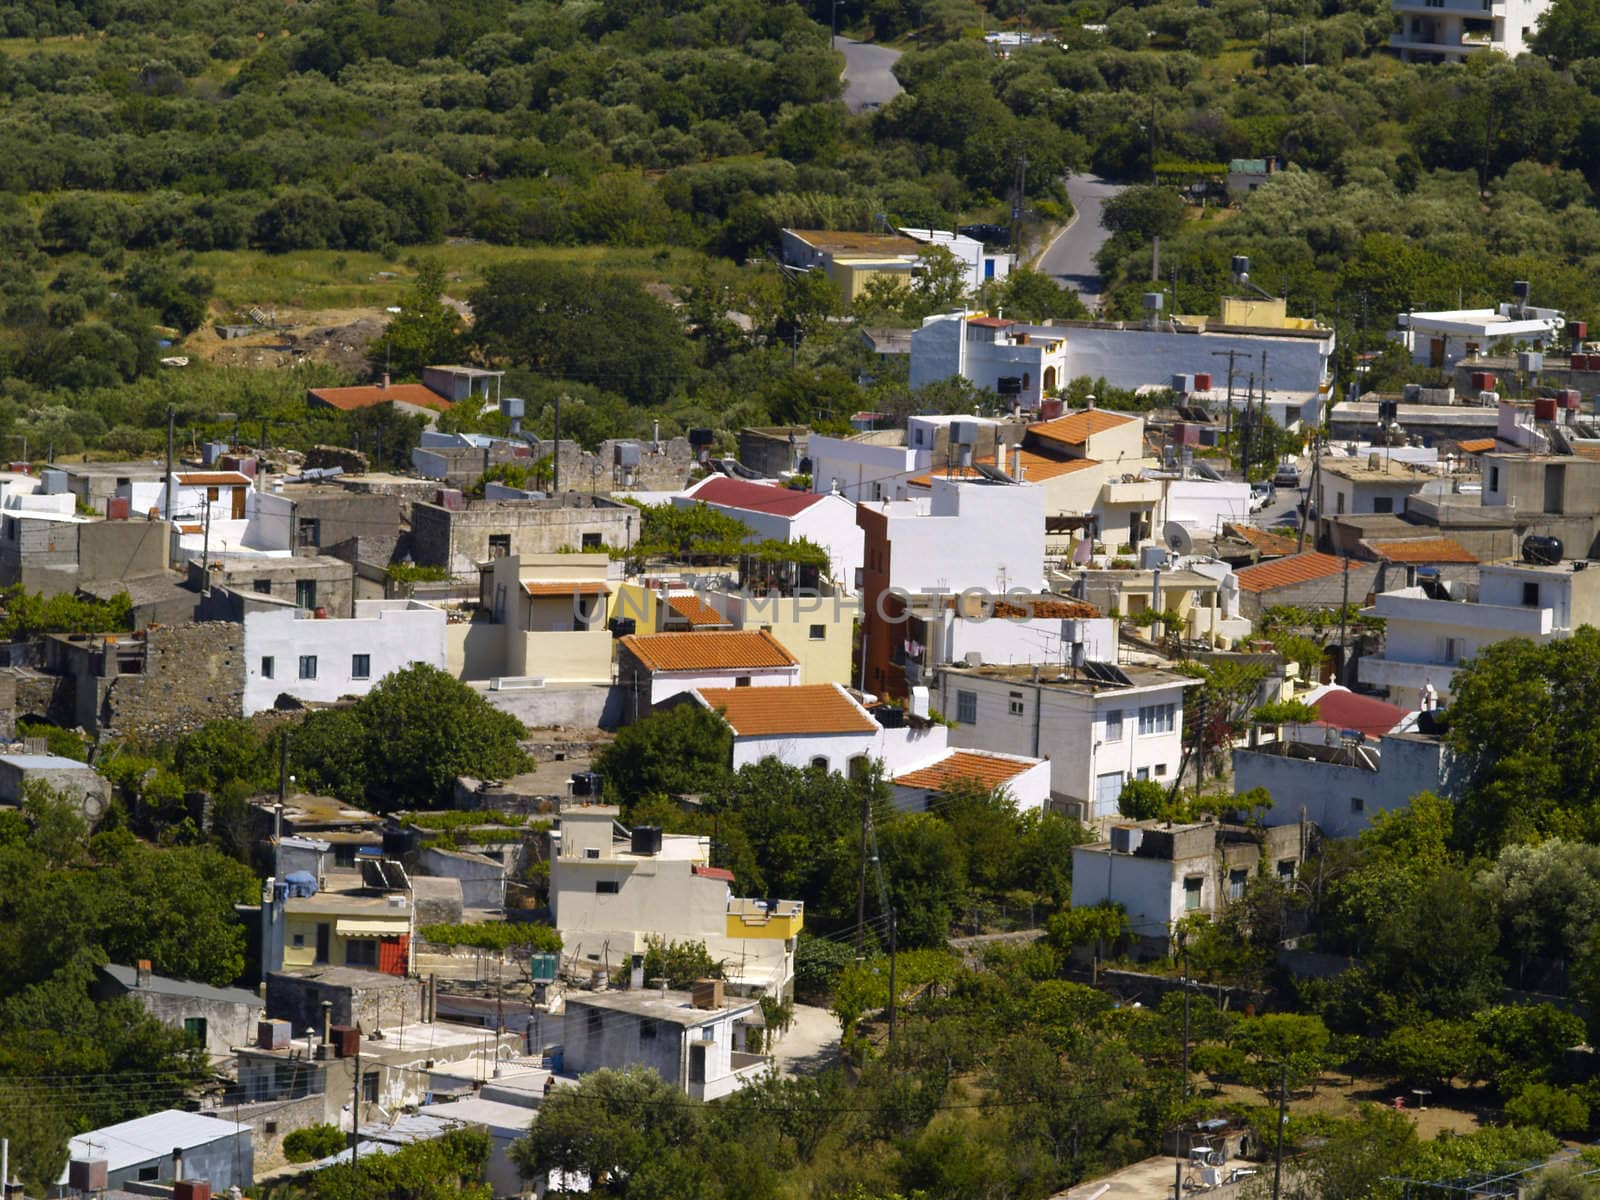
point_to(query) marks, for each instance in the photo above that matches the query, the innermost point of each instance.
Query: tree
(1029, 295)
(1431, 1054)
(313, 1142)
(1568, 30)
(630, 1131)
(673, 751)
(1141, 799)
(422, 728)
(1282, 1044)
(1561, 1111)
(679, 963)
(424, 331)
(1144, 212)
(543, 317)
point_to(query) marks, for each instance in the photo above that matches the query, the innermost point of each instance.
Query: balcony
(1483, 9)
(773, 919)
(1133, 491)
(1441, 615)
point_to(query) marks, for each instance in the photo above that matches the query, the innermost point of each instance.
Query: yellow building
(357, 928)
(540, 616)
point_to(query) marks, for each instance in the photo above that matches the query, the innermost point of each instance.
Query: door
(324, 941)
(238, 504)
(1436, 353)
(392, 955)
(1107, 788)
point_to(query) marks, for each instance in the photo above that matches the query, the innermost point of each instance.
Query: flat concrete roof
(676, 1007)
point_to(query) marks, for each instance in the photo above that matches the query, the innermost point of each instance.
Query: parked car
(1288, 476)
(1261, 495)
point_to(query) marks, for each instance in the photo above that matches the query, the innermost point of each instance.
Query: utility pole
(1183, 1083)
(892, 948)
(1311, 488)
(861, 887)
(1249, 424)
(1283, 1118)
(283, 766)
(1230, 355)
(205, 550)
(1344, 609)
(172, 418)
(355, 1105)
(555, 458)
(1021, 179)
(833, 28)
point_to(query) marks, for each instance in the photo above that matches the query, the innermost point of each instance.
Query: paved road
(868, 74)
(1070, 258)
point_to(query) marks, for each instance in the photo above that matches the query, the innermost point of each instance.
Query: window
(1191, 892)
(499, 545)
(1113, 724)
(369, 1086)
(194, 1029)
(967, 708)
(149, 1174)
(594, 1022)
(606, 887)
(1357, 804)
(308, 531)
(305, 593)
(361, 952)
(1338, 503)
(211, 495)
(820, 762)
(1494, 479)
(1161, 769)
(1530, 595)
(1383, 504)
(267, 665)
(360, 666)
(1015, 704)
(1452, 650)
(742, 681)
(299, 940)
(272, 1127)
(647, 1030)
(591, 852)
(263, 587)
(591, 541)
(1286, 868)
(1142, 773)
(1157, 718)
(308, 666)
(344, 854)
(818, 633)
(1236, 881)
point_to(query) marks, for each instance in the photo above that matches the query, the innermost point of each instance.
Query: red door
(393, 953)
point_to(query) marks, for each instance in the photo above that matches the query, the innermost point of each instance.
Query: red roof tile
(775, 711)
(1295, 568)
(1346, 710)
(696, 611)
(716, 650)
(1078, 427)
(213, 479)
(348, 399)
(756, 497)
(721, 873)
(1475, 445)
(1423, 550)
(964, 766)
(542, 588)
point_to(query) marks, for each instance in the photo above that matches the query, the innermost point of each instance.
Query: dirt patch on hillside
(338, 338)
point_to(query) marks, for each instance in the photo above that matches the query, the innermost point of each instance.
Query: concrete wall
(459, 540)
(1328, 793)
(192, 674)
(340, 515)
(270, 1121)
(483, 883)
(939, 549)
(612, 1039)
(1325, 592)
(476, 649)
(384, 1002)
(797, 621)
(333, 579)
(227, 1024)
(863, 470)
(571, 706)
(121, 549)
(392, 634)
(85, 786)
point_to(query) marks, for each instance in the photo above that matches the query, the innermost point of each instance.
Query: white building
(1023, 362)
(1025, 780)
(979, 264)
(1032, 629)
(1428, 632)
(1436, 31)
(784, 515)
(852, 259)
(1377, 485)
(216, 513)
(652, 667)
(1442, 339)
(1097, 732)
(882, 464)
(288, 651)
(612, 890)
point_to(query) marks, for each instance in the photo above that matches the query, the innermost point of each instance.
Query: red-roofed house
(408, 397)
(782, 514)
(1308, 580)
(1025, 780)
(1340, 708)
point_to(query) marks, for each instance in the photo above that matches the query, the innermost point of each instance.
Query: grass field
(314, 280)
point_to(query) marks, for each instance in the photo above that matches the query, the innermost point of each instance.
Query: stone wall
(320, 458)
(459, 540)
(193, 674)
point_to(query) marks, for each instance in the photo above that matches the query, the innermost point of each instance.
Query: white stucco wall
(1143, 886)
(973, 535)
(1006, 640)
(1327, 794)
(898, 749)
(862, 470)
(1205, 505)
(392, 633)
(664, 685)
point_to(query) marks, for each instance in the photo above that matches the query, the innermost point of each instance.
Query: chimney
(1016, 463)
(327, 1021)
(385, 382)
(177, 1163)
(142, 973)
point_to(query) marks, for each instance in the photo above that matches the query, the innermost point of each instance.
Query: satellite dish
(1177, 539)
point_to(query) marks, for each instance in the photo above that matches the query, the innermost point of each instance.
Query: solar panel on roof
(1109, 673)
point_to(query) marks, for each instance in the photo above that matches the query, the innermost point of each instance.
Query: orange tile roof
(715, 650)
(348, 399)
(1423, 550)
(1047, 607)
(1036, 467)
(1078, 427)
(696, 611)
(1272, 544)
(542, 588)
(1295, 568)
(963, 766)
(213, 479)
(927, 477)
(1475, 445)
(773, 711)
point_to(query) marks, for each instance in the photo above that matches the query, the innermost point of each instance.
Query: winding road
(1070, 257)
(868, 74)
